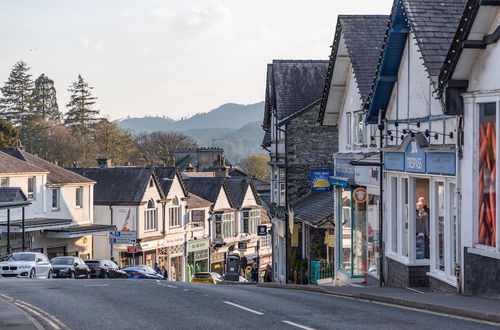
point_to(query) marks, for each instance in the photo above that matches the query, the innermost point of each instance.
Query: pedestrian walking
(164, 272)
(255, 272)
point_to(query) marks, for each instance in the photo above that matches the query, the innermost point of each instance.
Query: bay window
(251, 219)
(224, 225)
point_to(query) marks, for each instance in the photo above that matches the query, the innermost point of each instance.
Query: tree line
(30, 115)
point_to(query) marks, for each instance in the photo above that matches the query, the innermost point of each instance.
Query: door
(42, 266)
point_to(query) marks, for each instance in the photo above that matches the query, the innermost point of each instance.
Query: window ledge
(406, 262)
(485, 252)
(150, 230)
(450, 280)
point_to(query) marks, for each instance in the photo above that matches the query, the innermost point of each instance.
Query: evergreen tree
(8, 134)
(15, 105)
(44, 99)
(81, 116)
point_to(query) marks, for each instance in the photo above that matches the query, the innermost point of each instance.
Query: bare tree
(156, 146)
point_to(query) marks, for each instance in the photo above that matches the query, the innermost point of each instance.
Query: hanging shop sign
(367, 175)
(340, 183)
(359, 194)
(344, 169)
(262, 230)
(242, 246)
(417, 160)
(319, 180)
(198, 245)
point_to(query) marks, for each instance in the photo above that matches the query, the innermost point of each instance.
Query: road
(149, 304)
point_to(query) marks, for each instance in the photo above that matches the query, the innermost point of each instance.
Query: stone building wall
(309, 146)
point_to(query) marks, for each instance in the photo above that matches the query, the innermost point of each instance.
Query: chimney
(220, 168)
(103, 161)
(168, 161)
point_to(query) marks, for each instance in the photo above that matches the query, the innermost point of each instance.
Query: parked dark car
(102, 268)
(142, 271)
(70, 267)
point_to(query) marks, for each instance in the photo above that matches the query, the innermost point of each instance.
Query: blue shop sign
(414, 158)
(394, 161)
(320, 180)
(441, 163)
(340, 183)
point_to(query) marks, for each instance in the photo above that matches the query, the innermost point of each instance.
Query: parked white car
(26, 265)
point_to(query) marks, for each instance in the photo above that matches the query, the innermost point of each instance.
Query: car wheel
(49, 275)
(71, 275)
(106, 275)
(87, 276)
(33, 273)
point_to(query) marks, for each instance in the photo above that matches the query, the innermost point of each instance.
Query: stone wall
(309, 146)
(481, 275)
(403, 276)
(440, 286)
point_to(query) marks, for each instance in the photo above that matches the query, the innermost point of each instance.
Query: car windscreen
(21, 257)
(62, 261)
(201, 275)
(141, 268)
(93, 263)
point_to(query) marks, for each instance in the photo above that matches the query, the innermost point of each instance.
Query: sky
(167, 58)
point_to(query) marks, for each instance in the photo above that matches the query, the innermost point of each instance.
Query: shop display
(487, 176)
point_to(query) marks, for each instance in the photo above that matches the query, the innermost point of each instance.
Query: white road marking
(297, 325)
(51, 320)
(185, 290)
(171, 286)
(243, 307)
(95, 285)
(415, 290)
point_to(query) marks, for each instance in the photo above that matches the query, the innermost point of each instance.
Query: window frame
(478, 101)
(31, 193)
(174, 214)
(58, 191)
(4, 179)
(151, 217)
(348, 130)
(79, 197)
(359, 129)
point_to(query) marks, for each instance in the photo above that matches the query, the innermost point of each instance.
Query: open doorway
(422, 218)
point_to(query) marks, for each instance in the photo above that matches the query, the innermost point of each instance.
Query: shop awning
(316, 208)
(80, 230)
(36, 224)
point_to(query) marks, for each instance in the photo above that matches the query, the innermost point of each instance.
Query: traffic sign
(132, 249)
(262, 230)
(122, 237)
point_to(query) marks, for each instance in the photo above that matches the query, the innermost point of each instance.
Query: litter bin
(232, 268)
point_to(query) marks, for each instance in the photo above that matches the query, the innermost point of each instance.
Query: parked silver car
(26, 265)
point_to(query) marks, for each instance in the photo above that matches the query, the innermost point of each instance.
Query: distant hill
(230, 115)
(234, 127)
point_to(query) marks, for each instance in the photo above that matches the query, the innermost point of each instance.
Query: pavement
(150, 304)
(454, 304)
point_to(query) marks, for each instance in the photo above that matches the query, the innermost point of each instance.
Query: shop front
(354, 207)
(197, 257)
(421, 215)
(217, 262)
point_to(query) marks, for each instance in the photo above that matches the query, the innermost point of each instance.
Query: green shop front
(198, 252)
(357, 210)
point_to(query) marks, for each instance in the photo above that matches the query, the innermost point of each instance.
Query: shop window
(345, 234)
(4, 182)
(151, 216)
(359, 238)
(394, 216)
(453, 235)
(55, 198)
(404, 215)
(488, 140)
(439, 207)
(372, 234)
(79, 197)
(422, 225)
(31, 187)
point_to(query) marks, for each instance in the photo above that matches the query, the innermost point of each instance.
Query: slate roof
(206, 188)
(193, 202)
(56, 175)
(296, 84)
(165, 176)
(118, 184)
(12, 197)
(10, 164)
(315, 208)
(363, 35)
(238, 187)
(434, 24)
